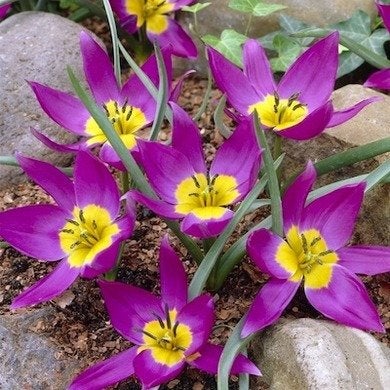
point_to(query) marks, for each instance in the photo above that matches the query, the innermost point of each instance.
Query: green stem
(206, 97)
(273, 184)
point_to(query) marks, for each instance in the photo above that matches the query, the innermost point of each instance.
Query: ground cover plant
(303, 241)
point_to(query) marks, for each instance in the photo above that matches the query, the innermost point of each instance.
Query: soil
(79, 324)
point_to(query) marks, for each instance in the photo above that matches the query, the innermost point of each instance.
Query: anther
(194, 194)
(292, 98)
(169, 322)
(106, 110)
(195, 181)
(81, 216)
(174, 329)
(77, 243)
(327, 252)
(149, 335)
(94, 224)
(70, 231)
(129, 113)
(124, 107)
(160, 321)
(317, 239)
(297, 106)
(116, 107)
(215, 177)
(304, 243)
(277, 99)
(73, 222)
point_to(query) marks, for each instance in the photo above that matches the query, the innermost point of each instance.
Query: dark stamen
(328, 252)
(73, 222)
(304, 243)
(160, 321)
(174, 329)
(129, 114)
(277, 99)
(292, 98)
(169, 323)
(106, 110)
(116, 108)
(124, 107)
(77, 243)
(70, 231)
(297, 106)
(195, 181)
(215, 177)
(94, 224)
(81, 216)
(149, 335)
(317, 239)
(194, 194)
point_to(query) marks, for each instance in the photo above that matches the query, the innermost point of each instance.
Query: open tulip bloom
(84, 230)
(314, 252)
(129, 108)
(381, 78)
(168, 332)
(189, 191)
(153, 16)
(299, 106)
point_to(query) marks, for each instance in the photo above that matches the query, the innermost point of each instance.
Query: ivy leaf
(255, 7)
(229, 45)
(358, 28)
(290, 25)
(288, 50)
(195, 8)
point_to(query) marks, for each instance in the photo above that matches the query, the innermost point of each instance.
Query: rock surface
(33, 46)
(29, 361)
(321, 355)
(371, 124)
(218, 17)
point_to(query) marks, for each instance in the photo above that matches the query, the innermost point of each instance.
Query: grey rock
(371, 124)
(34, 46)
(218, 17)
(321, 355)
(29, 361)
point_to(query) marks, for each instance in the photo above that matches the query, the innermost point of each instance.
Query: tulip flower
(381, 78)
(168, 332)
(299, 106)
(4, 10)
(84, 230)
(130, 108)
(189, 191)
(153, 16)
(314, 252)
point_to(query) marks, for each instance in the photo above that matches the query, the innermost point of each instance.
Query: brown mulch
(80, 325)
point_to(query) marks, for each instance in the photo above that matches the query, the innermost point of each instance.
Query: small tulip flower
(154, 16)
(188, 190)
(168, 332)
(314, 252)
(381, 78)
(84, 230)
(298, 107)
(130, 108)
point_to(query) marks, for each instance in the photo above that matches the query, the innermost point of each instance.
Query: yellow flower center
(280, 114)
(306, 255)
(166, 338)
(204, 195)
(126, 120)
(87, 234)
(151, 12)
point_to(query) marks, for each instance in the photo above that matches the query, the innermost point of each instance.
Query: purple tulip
(381, 78)
(189, 191)
(314, 252)
(84, 230)
(168, 332)
(130, 108)
(153, 16)
(299, 106)
(4, 10)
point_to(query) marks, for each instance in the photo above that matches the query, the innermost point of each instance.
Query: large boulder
(33, 46)
(218, 17)
(307, 354)
(29, 360)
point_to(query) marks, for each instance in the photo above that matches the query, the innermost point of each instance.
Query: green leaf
(255, 7)
(195, 8)
(290, 25)
(288, 50)
(229, 45)
(265, 9)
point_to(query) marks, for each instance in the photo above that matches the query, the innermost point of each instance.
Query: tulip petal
(4, 9)
(367, 260)
(180, 42)
(262, 247)
(342, 116)
(205, 227)
(48, 287)
(157, 206)
(165, 167)
(107, 372)
(232, 81)
(34, 230)
(384, 10)
(269, 304)
(295, 196)
(239, 156)
(209, 358)
(63, 148)
(257, 68)
(94, 184)
(314, 124)
(51, 179)
(313, 74)
(198, 315)
(62, 107)
(98, 70)
(187, 139)
(173, 277)
(346, 301)
(178, 4)
(334, 214)
(379, 79)
(152, 373)
(130, 308)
